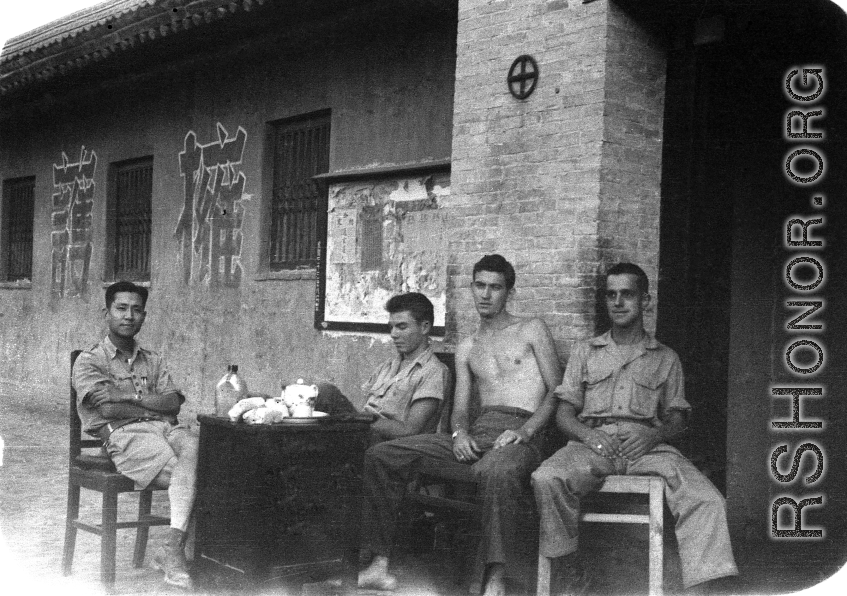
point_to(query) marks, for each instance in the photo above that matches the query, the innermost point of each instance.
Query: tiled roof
(95, 32)
(70, 26)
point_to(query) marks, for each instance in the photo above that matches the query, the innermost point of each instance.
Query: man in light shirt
(622, 398)
(406, 391)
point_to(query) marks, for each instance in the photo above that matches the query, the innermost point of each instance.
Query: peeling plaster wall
(391, 103)
(411, 215)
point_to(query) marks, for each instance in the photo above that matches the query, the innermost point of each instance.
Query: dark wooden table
(279, 504)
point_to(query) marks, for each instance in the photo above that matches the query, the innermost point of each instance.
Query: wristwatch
(453, 436)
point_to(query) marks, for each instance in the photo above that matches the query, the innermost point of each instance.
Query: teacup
(304, 410)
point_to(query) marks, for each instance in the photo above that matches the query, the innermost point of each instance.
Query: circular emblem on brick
(523, 76)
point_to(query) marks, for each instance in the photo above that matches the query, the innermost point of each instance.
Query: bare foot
(496, 585)
(376, 576)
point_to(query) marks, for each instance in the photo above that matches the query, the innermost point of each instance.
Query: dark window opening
(18, 211)
(298, 206)
(133, 194)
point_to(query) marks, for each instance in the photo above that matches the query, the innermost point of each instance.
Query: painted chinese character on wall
(209, 228)
(70, 218)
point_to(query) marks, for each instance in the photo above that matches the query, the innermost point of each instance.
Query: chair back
(76, 441)
(449, 360)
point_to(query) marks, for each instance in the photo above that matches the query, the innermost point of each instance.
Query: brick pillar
(563, 182)
(631, 163)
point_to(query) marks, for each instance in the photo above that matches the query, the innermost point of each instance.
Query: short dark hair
(125, 286)
(641, 280)
(416, 303)
(496, 264)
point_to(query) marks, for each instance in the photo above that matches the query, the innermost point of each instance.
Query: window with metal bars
(131, 220)
(298, 205)
(18, 210)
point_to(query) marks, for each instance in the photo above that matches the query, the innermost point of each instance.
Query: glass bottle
(229, 390)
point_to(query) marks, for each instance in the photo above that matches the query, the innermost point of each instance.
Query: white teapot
(300, 399)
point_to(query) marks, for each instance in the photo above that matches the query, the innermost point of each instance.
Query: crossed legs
(179, 477)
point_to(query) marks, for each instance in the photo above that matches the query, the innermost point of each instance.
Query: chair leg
(108, 539)
(543, 588)
(70, 529)
(656, 546)
(145, 500)
(469, 559)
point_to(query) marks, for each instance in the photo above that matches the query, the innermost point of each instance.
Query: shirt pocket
(599, 381)
(122, 380)
(401, 392)
(389, 407)
(646, 393)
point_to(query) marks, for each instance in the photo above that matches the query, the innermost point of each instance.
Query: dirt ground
(33, 485)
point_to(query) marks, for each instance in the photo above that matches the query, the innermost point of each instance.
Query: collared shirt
(644, 385)
(144, 372)
(391, 392)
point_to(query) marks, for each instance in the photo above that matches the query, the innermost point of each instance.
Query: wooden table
(279, 504)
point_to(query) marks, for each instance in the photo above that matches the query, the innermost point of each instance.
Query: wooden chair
(449, 360)
(96, 472)
(654, 488)
(455, 505)
(446, 492)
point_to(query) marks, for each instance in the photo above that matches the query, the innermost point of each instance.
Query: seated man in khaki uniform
(127, 398)
(622, 398)
(406, 391)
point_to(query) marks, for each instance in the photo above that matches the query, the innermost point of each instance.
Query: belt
(517, 412)
(595, 422)
(110, 427)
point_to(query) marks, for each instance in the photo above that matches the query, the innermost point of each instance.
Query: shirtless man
(514, 364)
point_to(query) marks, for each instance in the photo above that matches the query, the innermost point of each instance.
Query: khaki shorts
(141, 449)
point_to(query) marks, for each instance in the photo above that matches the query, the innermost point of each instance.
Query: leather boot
(171, 560)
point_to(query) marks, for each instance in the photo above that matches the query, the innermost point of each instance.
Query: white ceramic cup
(303, 410)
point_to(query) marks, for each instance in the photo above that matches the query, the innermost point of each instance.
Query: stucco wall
(390, 95)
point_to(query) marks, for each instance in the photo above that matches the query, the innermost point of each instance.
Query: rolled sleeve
(88, 372)
(164, 382)
(572, 388)
(674, 394)
(432, 383)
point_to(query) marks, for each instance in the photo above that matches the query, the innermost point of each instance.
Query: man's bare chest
(497, 357)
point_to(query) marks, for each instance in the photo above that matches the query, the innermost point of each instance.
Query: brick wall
(544, 181)
(631, 164)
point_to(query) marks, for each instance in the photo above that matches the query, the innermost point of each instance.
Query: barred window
(130, 221)
(18, 210)
(298, 206)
